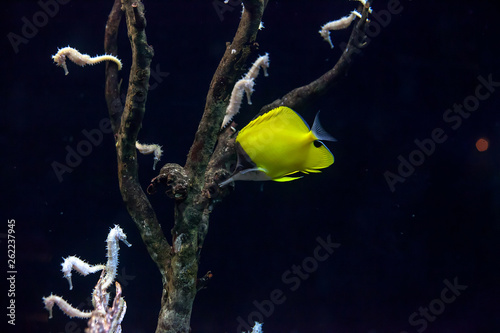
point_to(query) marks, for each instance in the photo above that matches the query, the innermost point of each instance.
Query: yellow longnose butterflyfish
(279, 144)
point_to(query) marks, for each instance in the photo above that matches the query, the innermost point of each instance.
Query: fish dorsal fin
(281, 117)
(320, 132)
(292, 118)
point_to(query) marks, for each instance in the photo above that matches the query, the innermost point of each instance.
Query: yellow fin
(311, 171)
(286, 179)
(281, 117)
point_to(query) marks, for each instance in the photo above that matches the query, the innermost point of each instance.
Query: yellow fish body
(279, 144)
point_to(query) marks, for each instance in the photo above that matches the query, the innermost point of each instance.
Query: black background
(397, 247)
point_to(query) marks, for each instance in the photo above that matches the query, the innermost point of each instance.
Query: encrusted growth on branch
(174, 178)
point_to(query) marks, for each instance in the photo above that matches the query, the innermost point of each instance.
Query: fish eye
(318, 143)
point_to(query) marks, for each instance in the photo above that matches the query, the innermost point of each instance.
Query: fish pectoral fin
(255, 174)
(250, 174)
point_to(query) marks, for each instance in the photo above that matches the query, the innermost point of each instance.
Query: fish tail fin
(320, 132)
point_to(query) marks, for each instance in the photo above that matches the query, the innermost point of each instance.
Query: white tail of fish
(320, 132)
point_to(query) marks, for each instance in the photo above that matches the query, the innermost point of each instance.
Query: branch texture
(231, 67)
(298, 97)
(126, 123)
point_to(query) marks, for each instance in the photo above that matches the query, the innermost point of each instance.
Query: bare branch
(298, 97)
(231, 67)
(112, 89)
(194, 187)
(126, 124)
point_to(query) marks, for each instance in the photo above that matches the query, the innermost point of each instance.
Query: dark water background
(398, 246)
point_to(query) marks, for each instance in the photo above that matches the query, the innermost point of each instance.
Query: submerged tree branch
(194, 186)
(298, 97)
(112, 89)
(231, 67)
(127, 122)
(192, 209)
